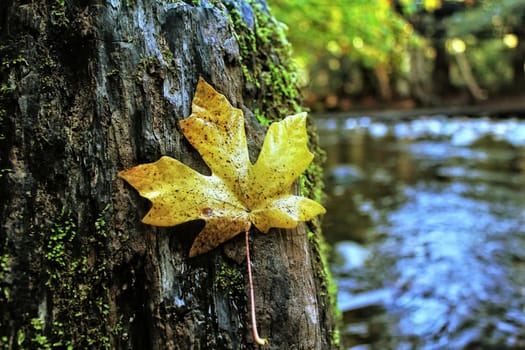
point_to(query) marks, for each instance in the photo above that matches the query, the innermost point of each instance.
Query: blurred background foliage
(405, 53)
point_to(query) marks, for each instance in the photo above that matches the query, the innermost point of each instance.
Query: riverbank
(501, 108)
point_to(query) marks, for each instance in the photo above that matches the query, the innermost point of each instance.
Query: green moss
(9, 63)
(48, 78)
(39, 339)
(147, 65)
(309, 181)
(62, 233)
(58, 13)
(5, 269)
(229, 280)
(266, 62)
(77, 280)
(5, 89)
(167, 55)
(112, 73)
(261, 117)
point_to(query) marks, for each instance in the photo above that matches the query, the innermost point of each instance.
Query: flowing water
(427, 222)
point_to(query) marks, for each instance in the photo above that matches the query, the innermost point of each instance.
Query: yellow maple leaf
(238, 193)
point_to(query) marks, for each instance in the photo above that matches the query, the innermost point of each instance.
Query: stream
(426, 218)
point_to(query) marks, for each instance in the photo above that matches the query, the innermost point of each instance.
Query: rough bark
(89, 88)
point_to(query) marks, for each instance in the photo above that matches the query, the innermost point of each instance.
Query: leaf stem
(256, 338)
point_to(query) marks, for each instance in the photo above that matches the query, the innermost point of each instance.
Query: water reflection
(427, 219)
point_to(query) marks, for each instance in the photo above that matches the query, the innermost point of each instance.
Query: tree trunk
(518, 60)
(89, 88)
